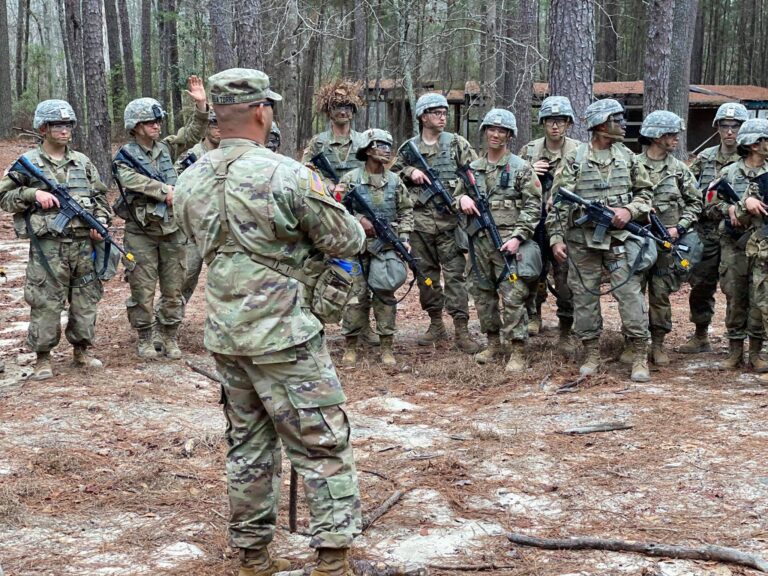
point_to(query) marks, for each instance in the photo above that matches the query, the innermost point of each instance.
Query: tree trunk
(572, 56)
(685, 17)
(658, 51)
(173, 61)
(70, 18)
(697, 53)
(6, 88)
(98, 149)
(360, 47)
(127, 46)
(25, 45)
(290, 76)
(221, 14)
(116, 77)
(487, 79)
(523, 51)
(608, 41)
(307, 80)
(20, 41)
(404, 53)
(146, 48)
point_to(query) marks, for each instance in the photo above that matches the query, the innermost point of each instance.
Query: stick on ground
(600, 427)
(381, 510)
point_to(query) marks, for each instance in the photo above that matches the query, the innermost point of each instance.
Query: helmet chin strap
(617, 137)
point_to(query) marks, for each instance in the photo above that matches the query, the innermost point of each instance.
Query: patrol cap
(660, 122)
(142, 110)
(751, 131)
(731, 111)
(598, 112)
(53, 111)
(241, 85)
(429, 101)
(501, 118)
(556, 106)
(369, 137)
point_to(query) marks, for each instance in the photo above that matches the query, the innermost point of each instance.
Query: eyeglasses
(729, 126)
(151, 123)
(438, 113)
(268, 103)
(343, 108)
(555, 121)
(618, 118)
(383, 146)
(63, 127)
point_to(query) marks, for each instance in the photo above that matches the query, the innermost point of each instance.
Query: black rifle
(540, 232)
(320, 162)
(486, 222)
(602, 217)
(681, 250)
(724, 190)
(125, 157)
(188, 160)
(355, 202)
(433, 191)
(68, 206)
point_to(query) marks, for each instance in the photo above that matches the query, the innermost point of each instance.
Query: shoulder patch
(316, 183)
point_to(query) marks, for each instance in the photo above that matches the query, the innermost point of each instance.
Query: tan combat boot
(435, 332)
(659, 355)
(517, 358)
(368, 336)
(257, 562)
(592, 357)
(640, 371)
(464, 341)
(145, 348)
(43, 369)
(566, 341)
(627, 353)
(170, 345)
(735, 358)
(756, 361)
(350, 352)
(534, 324)
(387, 357)
(493, 350)
(332, 562)
(84, 359)
(697, 343)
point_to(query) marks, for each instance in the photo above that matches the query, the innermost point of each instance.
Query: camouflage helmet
(731, 111)
(142, 110)
(751, 131)
(429, 101)
(501, 118)
(661, 122)
(275, 130)
(369, 137)
(556, 106)
(211, 114)
(53, 111)
(598, 112)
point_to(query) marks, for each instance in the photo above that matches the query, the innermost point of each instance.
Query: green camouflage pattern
(199, 150)
(429, 101)
(240, 85)
(341, 152)
(556, 106)
(660, 122)
(53, 111)
(751, 131)
(142, 110)
(501, 118)
(361, 300)
(731, 111)
(598, 112)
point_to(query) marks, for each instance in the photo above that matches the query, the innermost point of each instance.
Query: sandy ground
(121, 471)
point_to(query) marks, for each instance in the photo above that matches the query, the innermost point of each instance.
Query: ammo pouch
(120, 207)
(641, 253)
(689, 248)
(387, 271)
(112, 254)
(462, 240)
(327, 282)
(528, 260)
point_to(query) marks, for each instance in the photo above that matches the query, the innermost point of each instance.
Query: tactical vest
(709, 169)
(164, 163)
(667, 194)
(736, 178)
(323, 144)
(444, 163)
(613, 189)
(505, 202)
(78, 187)
(384, 205)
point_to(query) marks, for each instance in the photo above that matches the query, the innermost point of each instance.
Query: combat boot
(387, 357)
(566, 342)
(517, 358)
(332, 562)
(435, 332)
(84, 359)
(735, 358)
(697, 343)
(659, 355)
(257, 562)
(756, 361)
(157, 339)
(493, 350)
(640, 371)
(463, 340)
(592, 357)
(627, 354)
(534, 324)
(145, 349)
(43, 369)
(350, 352)
(168, 338)
(368, 336)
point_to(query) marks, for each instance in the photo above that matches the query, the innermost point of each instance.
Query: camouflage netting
(338, 93)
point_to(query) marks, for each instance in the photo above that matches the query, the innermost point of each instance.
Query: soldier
(514, 196)
(151, 231)
(438, 243)
(61, 270)
(742, 316)
(194, 260)
(677, 202)
(752, 211)
(546, 154)
(255, 216)
(274, 138)
(605, 170)
(388, 196)
(703, 280)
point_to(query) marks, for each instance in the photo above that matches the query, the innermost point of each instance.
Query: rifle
(540, 232)
(320, 162)
(486, 222)
(353, 200)
(658, 226)
(68, 206)
(161, 208)
(435, 190)
(187, 161)
(724, 190)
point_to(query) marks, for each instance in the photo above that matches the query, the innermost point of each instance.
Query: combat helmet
(501, 118)
(660, 122)
(556, 106)
(142, 110)
(429, 101)
(731, 111)
(339, 92)
(751, 131)
(369, 137)
(598, 112)
(53, 111)
(275, 130)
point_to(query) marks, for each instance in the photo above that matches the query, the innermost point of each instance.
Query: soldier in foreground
(546, 155)
(703, 280)
(61, 269)
(605, 170)
(151, 232)
(383, 191)
(513, 194)
(438, 242)
(279, 383)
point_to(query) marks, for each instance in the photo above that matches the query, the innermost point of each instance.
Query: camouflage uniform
(339, 150)
(278, 379)
(70, 255)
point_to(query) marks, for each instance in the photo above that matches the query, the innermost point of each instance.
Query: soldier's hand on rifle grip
(541, 167)
(95, 236)
(46, 199)
(468, 206)
(732, 217)
(407, 246)
(418, 177)
(560, 252)
(169, 196)
(510, 246)
(367, 225)
(755, 207)
(621, 217)
(673, 232)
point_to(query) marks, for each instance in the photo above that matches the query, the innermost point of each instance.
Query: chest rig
(343, 162)
(611, 185)
(499, 184)
(382, 200)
